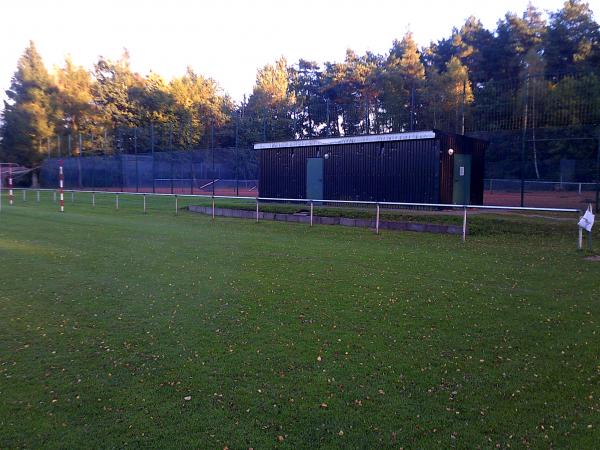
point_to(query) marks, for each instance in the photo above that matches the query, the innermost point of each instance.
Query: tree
(516, 38)
(271, 102)
(410, 63)
(198, 104)
(473, 44)
(354, 87)
(573, 39)
(74, 102)
(403, 79)
(335, 92)
(271, 88)
(537, 90)
(27, 116)
(154, 100)
(437, 54)
(454, 94)
(310, 112)
(115, 84)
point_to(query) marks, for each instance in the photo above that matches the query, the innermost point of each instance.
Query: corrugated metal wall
(405, 171)
(282, 171)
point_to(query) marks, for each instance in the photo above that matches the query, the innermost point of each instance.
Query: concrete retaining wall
(322, 220)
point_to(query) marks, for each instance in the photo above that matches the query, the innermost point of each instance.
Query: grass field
(119, 329)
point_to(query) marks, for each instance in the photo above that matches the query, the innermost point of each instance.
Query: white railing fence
(29, 192)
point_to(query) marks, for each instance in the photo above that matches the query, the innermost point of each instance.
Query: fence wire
(212, 171)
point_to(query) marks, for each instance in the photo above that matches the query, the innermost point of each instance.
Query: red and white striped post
(61, 185)
(10, 186)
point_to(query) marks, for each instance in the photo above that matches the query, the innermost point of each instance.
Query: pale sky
(229, 39)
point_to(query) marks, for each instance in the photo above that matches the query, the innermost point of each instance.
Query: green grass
(110, 319)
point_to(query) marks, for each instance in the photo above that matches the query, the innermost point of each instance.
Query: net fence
(551, 171)
(206, 171)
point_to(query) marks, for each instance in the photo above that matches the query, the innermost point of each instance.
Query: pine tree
(310, 111)
(271, 102)
(516, 38)
(154, 100)
(27, 117)
(573, 39)
(198, 104)
(403, 80)
(115, 83)
(473, 44)
(456, 92)
(74, 101)
(271, 88)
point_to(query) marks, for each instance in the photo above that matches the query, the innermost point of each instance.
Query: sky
(229, 40)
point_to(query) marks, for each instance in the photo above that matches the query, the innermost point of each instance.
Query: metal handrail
(314, 200)
(376, 204)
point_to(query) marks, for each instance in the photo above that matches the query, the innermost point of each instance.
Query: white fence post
(61, 184)
(464, 228)
(377, 220)
(10, 186)
(256, 209)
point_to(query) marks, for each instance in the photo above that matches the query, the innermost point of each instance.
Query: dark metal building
(418, 167)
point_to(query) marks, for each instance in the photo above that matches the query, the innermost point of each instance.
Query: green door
(461, 191)
(314, 178)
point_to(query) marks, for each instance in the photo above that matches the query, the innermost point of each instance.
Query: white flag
(587, 220)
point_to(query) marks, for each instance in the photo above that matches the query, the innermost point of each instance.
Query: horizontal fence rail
(491, 184)
(311, 202)
(314, 200)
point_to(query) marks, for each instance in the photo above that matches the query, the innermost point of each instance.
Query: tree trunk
(535, 159)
